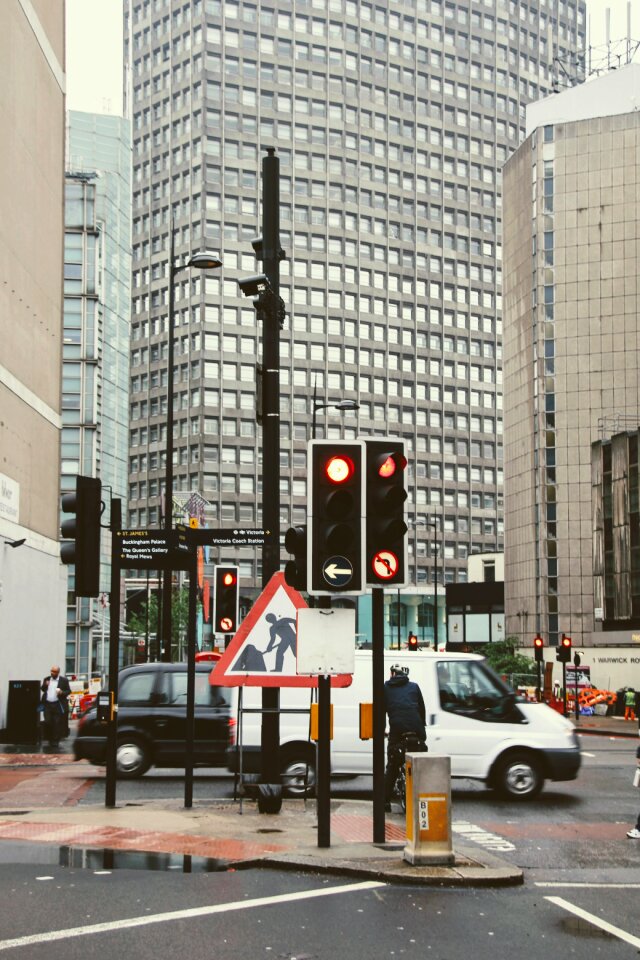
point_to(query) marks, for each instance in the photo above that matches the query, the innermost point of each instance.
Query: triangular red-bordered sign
(262, 652)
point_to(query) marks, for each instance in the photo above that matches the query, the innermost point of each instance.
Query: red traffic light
(412, 642)
(339, 469)
(228, 579)
(566, 641)
(538, 642)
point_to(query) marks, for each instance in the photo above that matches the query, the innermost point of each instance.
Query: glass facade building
(95, 376)
(392, 123)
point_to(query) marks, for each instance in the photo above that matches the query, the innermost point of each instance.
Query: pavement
(41, 796)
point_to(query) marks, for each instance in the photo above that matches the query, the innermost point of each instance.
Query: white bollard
(428, 809)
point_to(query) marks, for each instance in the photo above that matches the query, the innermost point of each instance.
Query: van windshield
(471, 688)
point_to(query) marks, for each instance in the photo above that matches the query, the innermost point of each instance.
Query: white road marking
(492, 841)
(595, 921)
(587, 886)
(126, 924)
(585, 754)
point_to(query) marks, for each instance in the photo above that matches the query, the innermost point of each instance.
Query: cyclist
(406, 711)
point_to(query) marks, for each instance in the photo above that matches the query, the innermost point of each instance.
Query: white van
(472, 716)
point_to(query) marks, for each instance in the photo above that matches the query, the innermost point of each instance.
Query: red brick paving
(354, 829)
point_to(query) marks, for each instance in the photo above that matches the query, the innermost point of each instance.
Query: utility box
(23, 718)
(428, 809)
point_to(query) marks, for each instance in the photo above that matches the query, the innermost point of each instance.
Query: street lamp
(340, 405)
(433, 522)
(202, 260)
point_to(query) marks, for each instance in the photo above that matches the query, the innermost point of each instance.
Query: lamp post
(340, 405)
(204, 260)
(433, 522)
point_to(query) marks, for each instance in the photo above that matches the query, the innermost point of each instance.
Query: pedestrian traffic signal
(538, 648)
(225, 600)
(295, 571)
(335, 517)
(563, 653)
(412, 642)
(81, 535)
(385, 545)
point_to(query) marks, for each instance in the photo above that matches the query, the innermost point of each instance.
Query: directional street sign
(337, 571)
(385, 564)
(233, 537)
(151, 549)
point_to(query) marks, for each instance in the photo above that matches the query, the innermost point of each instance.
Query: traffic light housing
(538, 648)
(295, 571)
(81, 534)
(225, 600)
(335, 528)
(412, 642)
(563, 653)
(386, 542)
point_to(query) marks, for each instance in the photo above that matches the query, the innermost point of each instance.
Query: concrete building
(97, 310)
(572, 329)
(392, 126)
(32, 580)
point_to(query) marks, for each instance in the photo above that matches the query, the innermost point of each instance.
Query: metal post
(398, 617)
(323, 779)
(564, 689)
(270, 731)
(377, 660)
(168, 482)
(191, 680)
(114, 656)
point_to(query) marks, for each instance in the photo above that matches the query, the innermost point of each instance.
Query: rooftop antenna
(628, 31)
(607, 33)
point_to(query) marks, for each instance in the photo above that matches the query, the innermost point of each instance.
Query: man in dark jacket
(406, 711)
(55, 700)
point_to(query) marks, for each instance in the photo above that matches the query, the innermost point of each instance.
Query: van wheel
(296, 772)
(132, 758)
(519, 777)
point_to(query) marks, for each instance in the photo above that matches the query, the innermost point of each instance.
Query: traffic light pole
(270, 732)
(191, 681)
(564, 688)
(377, 659)
(114, 656)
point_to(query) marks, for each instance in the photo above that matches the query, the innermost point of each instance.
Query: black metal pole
(114, 656)
(168, 481)
(435, 591)
(564, 688)
(398, 617)
(324, 762)
(270, 732)
(377, 661)
(191, 679)
(575, 689)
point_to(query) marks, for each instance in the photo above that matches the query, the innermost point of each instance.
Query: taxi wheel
(132, 758)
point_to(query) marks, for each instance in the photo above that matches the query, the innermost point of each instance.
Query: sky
(94, 48)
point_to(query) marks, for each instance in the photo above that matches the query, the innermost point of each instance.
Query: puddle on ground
(81, 858)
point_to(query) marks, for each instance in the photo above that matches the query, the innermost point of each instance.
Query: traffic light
(81, 534)
(538, 648)
(295, 571)
(335, 526)
(386, 547)
(563, 653)
(412, 642)
(225, 600)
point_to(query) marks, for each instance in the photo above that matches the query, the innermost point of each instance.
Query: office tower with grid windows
(572, 328)
(95, 382)
(391, 123)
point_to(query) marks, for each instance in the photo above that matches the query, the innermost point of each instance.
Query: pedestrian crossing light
(563, 653)
(225, 599)
(538, 648)
(335, 529)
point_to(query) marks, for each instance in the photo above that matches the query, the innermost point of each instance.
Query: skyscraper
(571, 361)
(97, 306)
(391, 124)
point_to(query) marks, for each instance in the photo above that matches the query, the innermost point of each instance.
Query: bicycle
(408, 743)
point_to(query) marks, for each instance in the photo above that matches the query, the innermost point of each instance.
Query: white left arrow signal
(333, 570)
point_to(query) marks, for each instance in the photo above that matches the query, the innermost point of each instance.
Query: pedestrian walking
(634, 833)
(55, 699)
(630, 704)
(405, 708)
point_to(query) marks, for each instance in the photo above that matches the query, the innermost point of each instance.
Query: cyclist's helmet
(397, 668)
